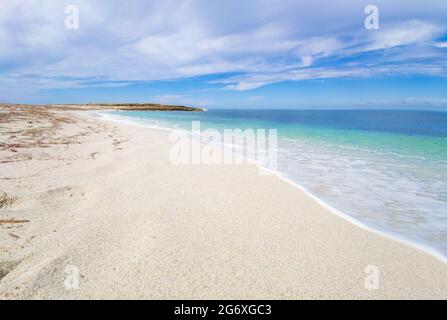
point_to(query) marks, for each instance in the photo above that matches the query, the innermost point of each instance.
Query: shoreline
(394, 237)
(109, 204)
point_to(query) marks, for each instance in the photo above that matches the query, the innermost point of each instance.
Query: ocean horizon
(386, 169)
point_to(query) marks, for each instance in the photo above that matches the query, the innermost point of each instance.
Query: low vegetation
(136, 106)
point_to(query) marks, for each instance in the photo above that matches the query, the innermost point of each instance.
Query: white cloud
(319, 46)
(253, 81)
(155, 40)
(408, 33)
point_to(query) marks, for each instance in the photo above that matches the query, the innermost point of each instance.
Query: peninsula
(130, 106)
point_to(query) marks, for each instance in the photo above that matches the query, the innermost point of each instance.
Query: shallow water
(387, 169)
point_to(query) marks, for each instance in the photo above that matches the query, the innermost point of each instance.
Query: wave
(169, 127)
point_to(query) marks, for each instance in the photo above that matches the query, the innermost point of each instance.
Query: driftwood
(12, 221)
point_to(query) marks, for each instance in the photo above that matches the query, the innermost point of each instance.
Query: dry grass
(24, 127)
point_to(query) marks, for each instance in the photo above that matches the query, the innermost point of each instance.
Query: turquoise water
(387, 169)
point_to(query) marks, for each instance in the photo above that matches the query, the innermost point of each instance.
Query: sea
(385, 170)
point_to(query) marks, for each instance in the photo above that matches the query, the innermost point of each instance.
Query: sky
(225, 54)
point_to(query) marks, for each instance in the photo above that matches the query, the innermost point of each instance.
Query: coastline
(138, 227)
(416, 245)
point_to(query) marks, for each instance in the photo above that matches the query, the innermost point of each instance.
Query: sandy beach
(101, 200)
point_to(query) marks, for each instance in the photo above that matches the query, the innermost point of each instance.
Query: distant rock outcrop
(133, 106)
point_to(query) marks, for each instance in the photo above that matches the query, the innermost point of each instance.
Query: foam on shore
(435, 253)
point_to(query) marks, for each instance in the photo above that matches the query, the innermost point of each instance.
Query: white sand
(136, 226)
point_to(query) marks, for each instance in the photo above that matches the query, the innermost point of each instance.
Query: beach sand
(101, 200)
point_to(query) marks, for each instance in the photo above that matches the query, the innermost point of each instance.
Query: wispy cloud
(362, 54)
(263, 42)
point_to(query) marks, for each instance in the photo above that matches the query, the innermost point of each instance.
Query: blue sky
(226, 54)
